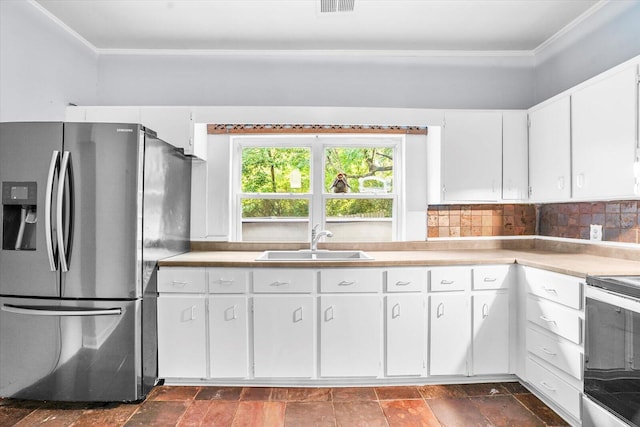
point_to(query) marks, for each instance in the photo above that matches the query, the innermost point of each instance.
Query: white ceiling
(298, 25)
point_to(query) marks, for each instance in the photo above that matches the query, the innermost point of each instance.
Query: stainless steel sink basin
(306, 255)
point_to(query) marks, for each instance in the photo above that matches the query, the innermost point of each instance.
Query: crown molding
(63, 26)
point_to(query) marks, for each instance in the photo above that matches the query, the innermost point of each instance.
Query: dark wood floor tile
(279, 393)
(398, 393)
(440, 391)
(309, 394)
(484, 389)
(219, 393)
(353, 394)
(260, 413)
(458, 411)
(256, 393)
(409, 413)
(359, 414)
(515, 388)
(12, 411)
(50, 418)
(506, 411)
(158, 413)
(308, 414)
(108, 416)
(221, 413)
(195, 414)
(174, 393)
(541, 410)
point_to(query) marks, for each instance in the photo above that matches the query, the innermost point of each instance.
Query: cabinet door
(472, 156)
(182, 341)
(515, 156)
(491, 333)
(350, 335)
(406, 334)
(283, 336)
(550, 152)
(173, 125)
(450, 334)
(229, 338)
(603, 126)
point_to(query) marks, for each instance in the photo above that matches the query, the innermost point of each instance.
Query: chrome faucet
(316, 235)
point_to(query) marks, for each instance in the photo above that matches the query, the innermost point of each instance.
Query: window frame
(318, 195)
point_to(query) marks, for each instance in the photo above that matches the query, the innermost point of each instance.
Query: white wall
(42, 67)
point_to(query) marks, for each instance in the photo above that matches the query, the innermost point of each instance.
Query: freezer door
(101, 211)
(28, 153)
(70, 350)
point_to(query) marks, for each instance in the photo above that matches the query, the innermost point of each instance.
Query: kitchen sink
(307, 255)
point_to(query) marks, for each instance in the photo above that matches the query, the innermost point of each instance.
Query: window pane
(365, 169)
(275, 220)
(358, 220)
(275, 170)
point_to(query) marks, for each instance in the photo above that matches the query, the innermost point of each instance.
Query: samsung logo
(124, 130)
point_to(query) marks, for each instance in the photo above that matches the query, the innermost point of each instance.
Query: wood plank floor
(497, 404)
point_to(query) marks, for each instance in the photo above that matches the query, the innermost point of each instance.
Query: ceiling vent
(337, 5)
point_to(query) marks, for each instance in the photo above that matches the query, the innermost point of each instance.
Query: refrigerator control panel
(18, 193)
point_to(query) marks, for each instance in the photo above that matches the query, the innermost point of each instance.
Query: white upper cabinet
(472, 156)
(550, 151)
(515, 168)
(603, 118)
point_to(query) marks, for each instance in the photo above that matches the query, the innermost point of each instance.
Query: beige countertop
(575, 264)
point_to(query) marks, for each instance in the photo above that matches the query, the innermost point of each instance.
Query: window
(350, 185)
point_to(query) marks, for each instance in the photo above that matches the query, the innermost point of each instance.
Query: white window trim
(318, 197)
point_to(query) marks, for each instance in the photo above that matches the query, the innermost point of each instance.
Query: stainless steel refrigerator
(87, 210)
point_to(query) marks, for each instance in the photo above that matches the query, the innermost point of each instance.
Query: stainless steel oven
(612, 346)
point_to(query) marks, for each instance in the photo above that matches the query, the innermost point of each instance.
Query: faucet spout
(317, 235)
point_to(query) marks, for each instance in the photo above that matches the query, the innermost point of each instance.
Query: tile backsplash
(620, 220)
(481, 220)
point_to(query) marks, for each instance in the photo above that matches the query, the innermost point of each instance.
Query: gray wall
(42, 67)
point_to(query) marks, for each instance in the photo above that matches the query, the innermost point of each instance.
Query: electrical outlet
(595, 232)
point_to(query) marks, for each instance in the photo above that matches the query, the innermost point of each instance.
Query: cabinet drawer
(491, 277)
(351, 280)
(182, 280)
(554, 387)
(287, 280)
(450, 279)
(556, 287)
(407, 280)
(561, 354)
(555, 318)
(228, 280)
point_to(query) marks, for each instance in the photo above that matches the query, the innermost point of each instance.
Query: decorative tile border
(213, 129)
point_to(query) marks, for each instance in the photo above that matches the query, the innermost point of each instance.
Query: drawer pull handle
(549, 352)
(346, 283)
(230, 313)
(328, 314)
(485, 311)
(276, 283)
(440, 310)
(548, 386)
(297, 315)
(395, 311)
(403, 283)
(546, 319)
(225, 282)
(490, 279)
(447, 282)
(177, 284)
(550, 290)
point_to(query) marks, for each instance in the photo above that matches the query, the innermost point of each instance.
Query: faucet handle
(315, 227)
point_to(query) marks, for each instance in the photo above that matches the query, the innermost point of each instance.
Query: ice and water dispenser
(19, 216)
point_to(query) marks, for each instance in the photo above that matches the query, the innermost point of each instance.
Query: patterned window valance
(301, 128)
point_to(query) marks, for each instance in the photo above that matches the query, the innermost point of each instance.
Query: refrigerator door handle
(65, 244)
(53, 166)
(46, 311)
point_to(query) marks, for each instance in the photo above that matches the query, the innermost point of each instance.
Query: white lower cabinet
(450, 334)
(283, 336)
(405, 326)
(350, 335)
(490, 333)
(229, 338)
(182, 336)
